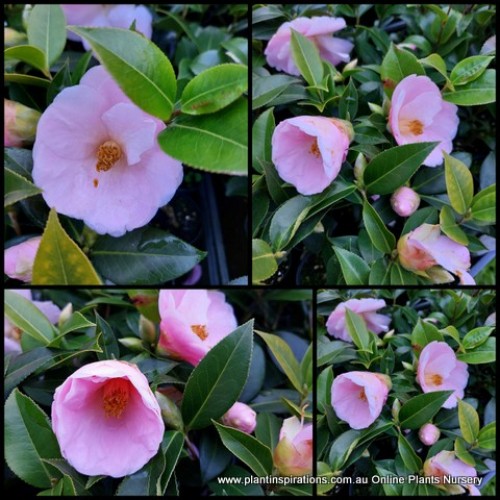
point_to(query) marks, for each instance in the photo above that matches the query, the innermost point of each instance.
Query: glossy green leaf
(214, 89)
(479, 91)
(427, 215)
(468, 420)
(109, 344)
(17, 188)
(356, 327)
(47, 31)
(483, 208)
(450, 227)
(215, 384)
(77, 321)
(285, 357)
(461, 452)
(424, 333)
(260, 208)
(411, 460)
(487, 436)
(394, 167)
(28, 440)
(248, 449)
(268, 429)
(401, 276)
(435, 61)
(265, 89)
(380, 236)
(337, 191)
(28, 54)
(217, 142)
(348, 104)
(469, 69)
(342, 448)
(264, 263)
(214, 456)
(354, 269)
(459, 184)
(420, 409)
(34, 81)
(139, 67)
(477, 336)
(262, 132)
(484, 353)
(306, 57)
(144, 256)
(59, 260)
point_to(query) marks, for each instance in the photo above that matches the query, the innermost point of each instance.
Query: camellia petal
(19, 259)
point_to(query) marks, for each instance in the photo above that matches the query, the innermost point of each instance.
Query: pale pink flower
(425, 247)
(440, 370)
(107, 16)
(96, 157)
(106, 419)
(319, 30)
(445, 463)
(19, 124)
(405, 201)
(366, 308)
(12, 334)
(293, 455)
(192, 322)
(240, 416)
(429, 434)
(358, 397)
(18, 260)
(308, 151)
(419, 114)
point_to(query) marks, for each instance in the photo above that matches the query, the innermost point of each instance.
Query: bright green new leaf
(483, 208)
(468, 420)
(482, 90)
(459, 184)
(469, 69)
(28, 54)
(264, 263)
(487, 436)
(450, 227)
(477, 336)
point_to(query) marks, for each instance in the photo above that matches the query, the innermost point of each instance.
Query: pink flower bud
(405, 201)
(11, 37)
(293, 455)
(240, 416)
(20, 124)
(19, 259)
(429, 434)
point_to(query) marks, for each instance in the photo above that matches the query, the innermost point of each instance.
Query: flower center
(108, 153)
(314, 150)
(200, 330)
(362, 395)
(115, 397)
(416, 127)
(434, 379)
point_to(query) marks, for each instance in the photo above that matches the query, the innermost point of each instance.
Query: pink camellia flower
(106, 419)
(445, 463)
(96, 157)
(358, 397)
(419, 114)
(405, 201)
(425, 247)
(366, 308)
(18, 260)
(308, 151)
(12, 334)
(440, 370)
(319, 30)
(107, 16)
(293, 455)
(240, 416)
(429, 434)
(19, 124)
(192, 322)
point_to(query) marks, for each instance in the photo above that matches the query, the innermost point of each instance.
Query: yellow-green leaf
(450, 227)
(469, 421)
(459, 184)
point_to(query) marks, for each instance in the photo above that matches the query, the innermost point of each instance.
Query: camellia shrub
(373, 144)
(406, 392)
(119, 123)
(158, 392)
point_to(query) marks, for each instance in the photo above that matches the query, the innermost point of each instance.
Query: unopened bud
(396, 406)
(20, 124)
(359, 166)
(408, 366)
(241, 417)
(350, 65)
(169, 411)
(429, 434)
(19, 259)
(405, 201)
(375, 108)
(66, 313)
(147, 330)
(132, 343)
(11, 37)
(491, 319)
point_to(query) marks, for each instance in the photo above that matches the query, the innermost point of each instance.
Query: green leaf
(28, 318)
(459, 184)
(268, 429)
(487, 436)
(339, 190)
(109, 344)
(380, 236)
(401, 276)
(354, 269)
(468, 420)
(248, 449)
(217, 142)
(484, 353)
(461, 452)
(435, 61)
(341, 448)
(356, 327)
(73, 482)
(394, 167)
(480, 91)
(477, 336)
(35, 81)
(306, 57)
(469, 69)
(420, 409)
(427, 215)
(285, 357)
(28, 54)
(450, 227)
(266, 89)
(287, 220)
(144, 256)
(47, 31)
(28, 440)
(139, 67)
(348, 104)
(411, 460)
(396, 65)
(425, 333)
(214, 456)
(215, 384)
(17, 188)
(264, 263)
(262, 132)
(77, 321)
(59, 260)
(214, 89)
(483, 208)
